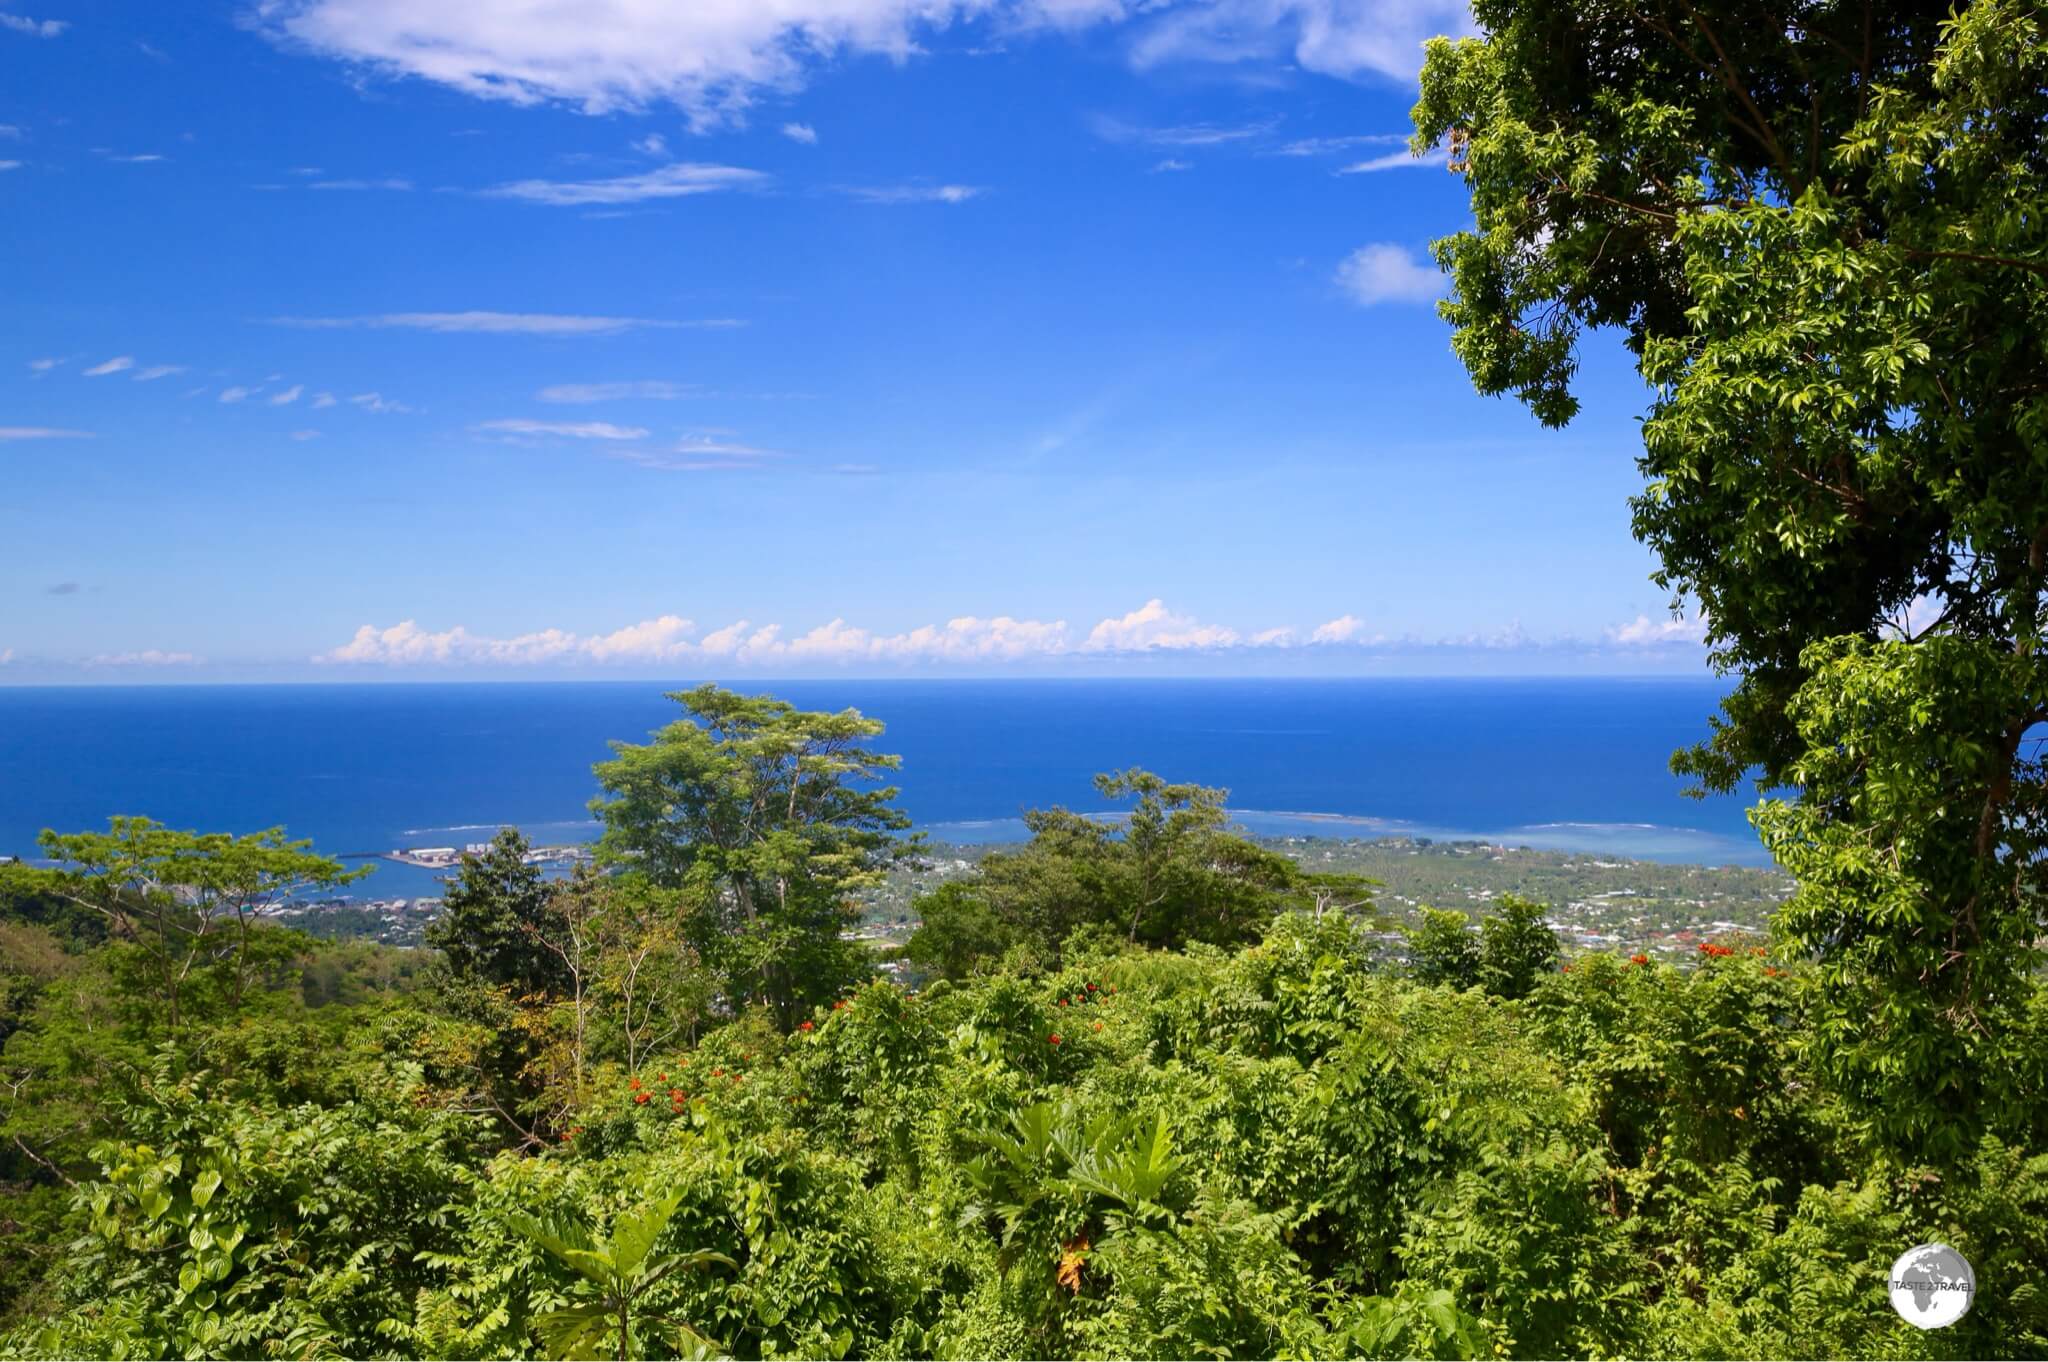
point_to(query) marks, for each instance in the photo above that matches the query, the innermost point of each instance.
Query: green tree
(1820, 229)
(187, 902)
(1442, 949)
(1516, 948)
(493, 917)
(769, 818)
(1172, 872)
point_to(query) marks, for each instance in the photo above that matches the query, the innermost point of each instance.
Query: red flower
(1091, 988)
(1054, 1038)
(565, 1137)
(1774, 973)
(633, 1083)
(1757, 951)
(718, 1073)
(1639, 959)
(663, 1075)
(1567, 969)
(1063, 1002)
(1098, 1026)
(641, 1097)
(805, 1026)
(839, 1006)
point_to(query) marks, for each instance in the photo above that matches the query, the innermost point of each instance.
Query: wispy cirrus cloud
(157, 371)
(378, 405)
(572, 430)
(8, 433)
(148, 657)
(497, 323)
(656, 390)
(112, 366)
(699, 452)
(1398, 160)
(390, 182)
(34, 28)
(1326, 146)
(912, 193)
(288, 396)
(1111, 129)
(679, 179)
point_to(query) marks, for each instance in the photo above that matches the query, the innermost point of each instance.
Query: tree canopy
(1819, 227)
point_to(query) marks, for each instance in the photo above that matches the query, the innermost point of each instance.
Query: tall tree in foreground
(1822, 228)
(494, 920)
(187, 904)
(769, 818)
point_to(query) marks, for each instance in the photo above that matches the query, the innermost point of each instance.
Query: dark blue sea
(1578, 765)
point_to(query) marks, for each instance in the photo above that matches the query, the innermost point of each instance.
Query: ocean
(1577, 765)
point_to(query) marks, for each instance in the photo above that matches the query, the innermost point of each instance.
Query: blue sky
(356, 339)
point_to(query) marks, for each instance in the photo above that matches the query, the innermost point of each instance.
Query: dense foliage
(1820, 227)
(1188, 1101)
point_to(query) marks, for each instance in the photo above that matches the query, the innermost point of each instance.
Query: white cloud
(1152, 626)
(1323, 146)
(40, 367)
(575, 430)
(1183, 135)
(35, 28)
(157, 371)
(288, 396)
(714, 58)
(235, 394)
(1349, 39)
(801, 132)
(1273, 638)
(361, 184)
(494, 323)
(1386, 273)
(651, 389)
(1398, 160)
(913, 193)
(377, 404)
(323, 400)
(1172, 163)
(10, 165)
(1644, 632)
(6, 656)
(41, 433)
(112, 366)
(10, 132)
(665, 182)
(1343, 629)
(148, 657)
(140, 159)
(653, 144)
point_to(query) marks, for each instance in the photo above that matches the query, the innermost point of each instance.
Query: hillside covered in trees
(1157, 1096)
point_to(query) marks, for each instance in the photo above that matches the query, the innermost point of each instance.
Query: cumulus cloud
(494, 323)
(574, 430)
(801, 132)
(41, 433)
(112, 366)
(1343, 629)
(288, 396)
(653, 144)
(1152, 626)
(652, 389)
(1644, 632)
(714, 58)
(1386, 273)
(675, 180)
